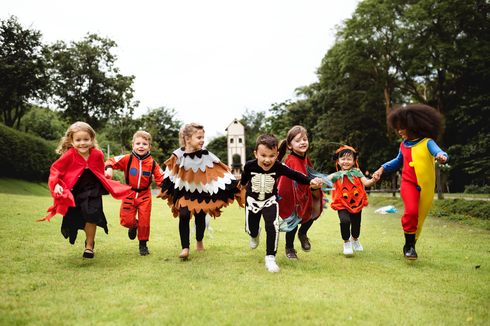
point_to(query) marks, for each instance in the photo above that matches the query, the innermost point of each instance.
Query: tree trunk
(388, 109)
(394, 179)
(438, 181)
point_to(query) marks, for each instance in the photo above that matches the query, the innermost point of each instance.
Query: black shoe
(132, 232)
(409, 252)
(88, 253)
(291, 254)
(305, 242)
(144, 251)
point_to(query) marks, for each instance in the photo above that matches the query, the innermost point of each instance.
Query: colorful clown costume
(138, 172)
(418, 180)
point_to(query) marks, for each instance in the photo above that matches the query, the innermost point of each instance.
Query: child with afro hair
(418, 125)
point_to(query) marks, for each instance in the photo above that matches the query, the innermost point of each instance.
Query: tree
(22, 69)
(121, 128)
(219, 147)
(254, 123)
(44, 123)
(164, 128)
(87, 85)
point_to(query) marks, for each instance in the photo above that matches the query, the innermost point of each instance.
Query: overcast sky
(209, 60)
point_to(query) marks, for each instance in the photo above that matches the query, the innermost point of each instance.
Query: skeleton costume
(196, 184)
(261, 198)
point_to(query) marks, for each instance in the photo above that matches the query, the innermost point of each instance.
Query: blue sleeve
(435, 150)
(394, 164)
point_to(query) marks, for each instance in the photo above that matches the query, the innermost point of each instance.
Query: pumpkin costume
(349, 198)
(196, 184)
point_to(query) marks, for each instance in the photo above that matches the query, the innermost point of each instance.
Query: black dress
(87, 191)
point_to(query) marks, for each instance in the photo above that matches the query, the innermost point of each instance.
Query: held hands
(316, 183)
(441, 158)
(108, 173)
(58, 189)
(378, 173)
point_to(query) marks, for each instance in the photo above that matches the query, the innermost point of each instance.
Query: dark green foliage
(390, 53)
(87, 85)
(218, 146)
(22, 70)
(254, 123)
(44, 123)
(25, 156)
(164, 127)
(473, 189)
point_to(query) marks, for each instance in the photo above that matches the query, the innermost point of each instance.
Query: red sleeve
(118, 162)
(158, 174)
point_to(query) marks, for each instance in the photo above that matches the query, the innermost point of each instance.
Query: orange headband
(342, 148)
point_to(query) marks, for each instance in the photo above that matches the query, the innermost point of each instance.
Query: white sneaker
(348, 248)
(270, 263)
(356, 244)
(254, 242)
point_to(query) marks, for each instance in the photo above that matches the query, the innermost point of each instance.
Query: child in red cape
(295, 197)
(77, 183)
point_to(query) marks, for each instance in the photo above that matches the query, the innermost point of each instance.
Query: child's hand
(316, 183)
(58, 189)
(441, 158)
(375, 178)
(108, 173)
(378, 173)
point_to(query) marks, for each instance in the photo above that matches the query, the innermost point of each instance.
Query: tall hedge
(24, 156)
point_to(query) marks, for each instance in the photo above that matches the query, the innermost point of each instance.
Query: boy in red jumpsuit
(138, 168)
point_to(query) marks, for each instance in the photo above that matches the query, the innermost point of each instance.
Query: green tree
(87, 85)
(23, 75)
(121, 128)
(44, 123)
(219, 147)
(164, 127)
(254, 123)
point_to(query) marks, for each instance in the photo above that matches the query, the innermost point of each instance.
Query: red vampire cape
(292, 194)
(66, 171)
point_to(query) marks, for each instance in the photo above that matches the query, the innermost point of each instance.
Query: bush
(474, 189)
(25, 156)
(471, 212)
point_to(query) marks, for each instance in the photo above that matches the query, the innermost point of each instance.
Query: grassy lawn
(45, 280)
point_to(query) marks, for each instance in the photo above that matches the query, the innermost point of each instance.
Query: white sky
(209, 60)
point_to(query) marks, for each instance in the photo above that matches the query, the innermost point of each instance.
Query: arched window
(231, 140)
(240, 140)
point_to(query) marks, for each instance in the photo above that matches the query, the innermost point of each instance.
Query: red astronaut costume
(138, 171)
(66, 171)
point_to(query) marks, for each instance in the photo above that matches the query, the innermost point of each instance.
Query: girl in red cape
(77, 183)
(349, 196)
(295, 197)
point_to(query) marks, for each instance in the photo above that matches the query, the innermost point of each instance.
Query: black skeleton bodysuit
(261, 198)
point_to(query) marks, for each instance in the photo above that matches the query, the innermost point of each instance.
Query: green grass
(22, 187)
(45, 280)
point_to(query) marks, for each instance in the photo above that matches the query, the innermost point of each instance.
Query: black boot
(409, 247)
(143, 248)
(132, 232)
